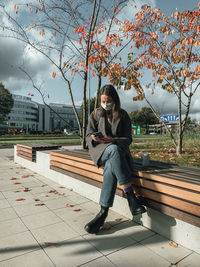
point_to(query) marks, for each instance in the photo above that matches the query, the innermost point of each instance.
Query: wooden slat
(86, 173)
(170, 201)
(173, 191)
(175, 174)
(30, 151)
(25, 157)
(71, 157)
(77, 164)
(167, 180)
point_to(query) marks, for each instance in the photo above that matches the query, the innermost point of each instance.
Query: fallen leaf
(49, 243)
(17, 183)
(61, 186)
(77, 210)
(25, 189)
(36, 199)
(69, 205)
(13, 178)
(43, 185)
(118, 219)
(39, 204)
(173, 244)
(25, 176)
(52, 191)
(20, 199)
(17, 191)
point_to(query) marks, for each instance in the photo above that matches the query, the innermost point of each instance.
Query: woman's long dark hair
(109, 90)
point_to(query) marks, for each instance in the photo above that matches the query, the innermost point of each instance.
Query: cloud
(162, 101)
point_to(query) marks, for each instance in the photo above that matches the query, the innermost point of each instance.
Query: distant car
(153, 133)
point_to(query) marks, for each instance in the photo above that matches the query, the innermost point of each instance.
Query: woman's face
(106, 99)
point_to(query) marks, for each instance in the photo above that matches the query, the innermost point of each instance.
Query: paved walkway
(45, 228)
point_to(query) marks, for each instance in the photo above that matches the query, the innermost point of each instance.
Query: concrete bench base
(180, 232)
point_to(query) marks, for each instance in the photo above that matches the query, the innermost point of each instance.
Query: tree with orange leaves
(63, 32)
(168, 48)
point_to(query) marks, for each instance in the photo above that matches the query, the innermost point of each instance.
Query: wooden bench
(170, 189)
(28, 151)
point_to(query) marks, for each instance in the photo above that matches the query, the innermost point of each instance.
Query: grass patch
(53, 141)
(162, 150)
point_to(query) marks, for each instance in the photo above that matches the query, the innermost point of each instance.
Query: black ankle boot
(134, 204)
(94, 225)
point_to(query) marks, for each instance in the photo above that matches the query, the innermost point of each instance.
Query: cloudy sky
(13, 54)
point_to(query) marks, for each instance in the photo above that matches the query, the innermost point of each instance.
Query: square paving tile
(26, 199)
(32, 259)
(160, 245)
(7, 214)
(138, 256)
(54, 233)
(71, 253)
(30, 209)
(100, 262)
(71, 214)
(78, 200)
(134, 230)
(78, 223)
(91, 207)
(15, 245)
(115, 218)
(40, 189)
(12, 194)
(11, 227)
(4, 204)
(58, 203)
(42, 219)
(193, 260)
(108, 241)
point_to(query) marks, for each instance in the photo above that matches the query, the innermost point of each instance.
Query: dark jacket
(121, 132)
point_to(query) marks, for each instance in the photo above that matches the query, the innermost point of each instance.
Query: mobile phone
(99, 134)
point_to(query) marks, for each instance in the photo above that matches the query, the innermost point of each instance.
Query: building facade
(34, 117)
(24, 114)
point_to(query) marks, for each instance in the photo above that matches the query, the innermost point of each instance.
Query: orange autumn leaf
(173, 244)
(69, 205)
(54, 75)
(117, 10)
(118, 219)
(77, 210)
(42, 32)
(25, 176)
(55, 33)
(16, 7)
(17, 183)
(13, 178)
(17, 191)
(49, 243)
(20, 199)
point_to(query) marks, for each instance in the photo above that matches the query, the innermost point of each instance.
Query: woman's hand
(104, 140)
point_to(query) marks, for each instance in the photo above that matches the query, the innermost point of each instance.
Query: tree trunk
(98, 92)
(179, 146)
(84, 145)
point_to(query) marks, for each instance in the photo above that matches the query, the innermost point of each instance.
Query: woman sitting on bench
(108, 138)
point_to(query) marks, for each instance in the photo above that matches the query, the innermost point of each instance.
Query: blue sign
(171, 117)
